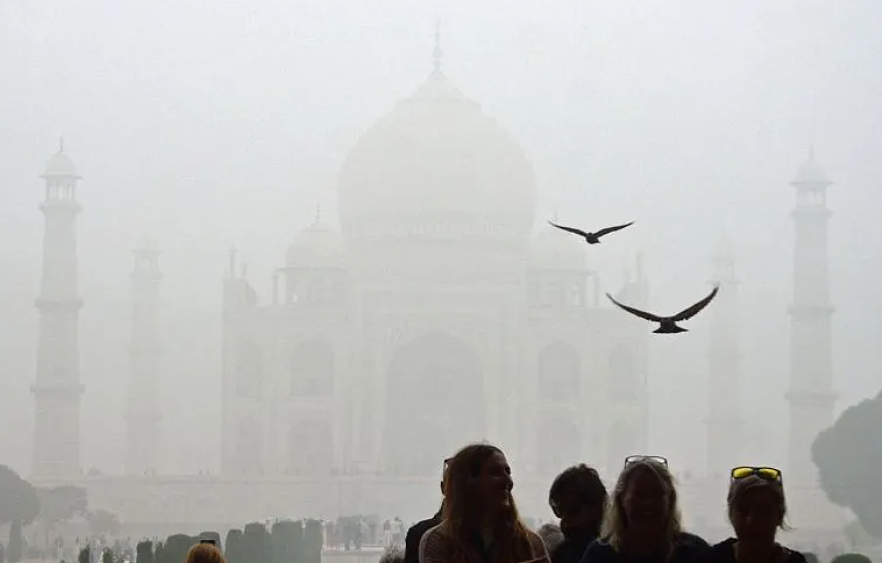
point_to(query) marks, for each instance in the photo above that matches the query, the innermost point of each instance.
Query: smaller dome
(553, 249)
(316, 246)
(60, 165)
(811, 172)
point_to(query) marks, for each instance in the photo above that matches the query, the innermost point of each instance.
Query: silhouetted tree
(158, 552)
(851, 558)
(313, 540)
(176, 548)
(233, 547)
(85, 555)
(58, 504)
(255, 543)
(214, 536)
(848, 456)
(18, 499)
(144, 552)
(285, 539)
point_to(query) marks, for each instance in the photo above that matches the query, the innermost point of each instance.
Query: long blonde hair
(460, 511)
(615, 521)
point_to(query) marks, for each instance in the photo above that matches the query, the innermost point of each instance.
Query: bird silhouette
(668, 325)
(591, 238)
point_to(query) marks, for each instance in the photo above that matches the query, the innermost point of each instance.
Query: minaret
(811, 395)
(143, 410)
(724, 421)
(57, 391)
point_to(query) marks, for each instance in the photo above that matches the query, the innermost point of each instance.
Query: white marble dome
(437, 166)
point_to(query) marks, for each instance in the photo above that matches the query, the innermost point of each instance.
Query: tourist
(756, 510)
(642, 520)
(415, 533)
(205, 553)
(480, 520)
(397, 529)
(577, 496)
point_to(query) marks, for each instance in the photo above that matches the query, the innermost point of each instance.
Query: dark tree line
(286, 541)
(849, 456)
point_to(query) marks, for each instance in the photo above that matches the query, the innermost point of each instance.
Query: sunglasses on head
(652, 458)
(769, 473)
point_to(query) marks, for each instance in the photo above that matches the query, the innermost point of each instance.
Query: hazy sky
(221, 121)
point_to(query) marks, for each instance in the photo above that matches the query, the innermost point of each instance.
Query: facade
(143, 411)
(57, 390)
(435, 318)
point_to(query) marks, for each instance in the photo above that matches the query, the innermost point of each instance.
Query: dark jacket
(571, 549)
(724, 552)
(415, 534)
(688, 548)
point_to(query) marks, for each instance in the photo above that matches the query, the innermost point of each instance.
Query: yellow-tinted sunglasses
(638, 458)
(743, 471)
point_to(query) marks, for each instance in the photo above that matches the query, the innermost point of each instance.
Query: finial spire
(60, 144)
(811, 152)
(436, 52)
(318, 213)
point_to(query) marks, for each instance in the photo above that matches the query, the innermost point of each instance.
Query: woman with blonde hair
(642, 520)
(480, 523)
(756, 510)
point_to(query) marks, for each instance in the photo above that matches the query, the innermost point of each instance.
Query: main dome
(437, 166)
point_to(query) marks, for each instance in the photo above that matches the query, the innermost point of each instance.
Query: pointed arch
(624, 385)
(249, 448)
(311, 448)
(249, 371)
(434, 403)
(558, 445)
(312, 370)
(559, 373)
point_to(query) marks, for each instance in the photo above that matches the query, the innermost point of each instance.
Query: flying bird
(591, 238)
(668, 325)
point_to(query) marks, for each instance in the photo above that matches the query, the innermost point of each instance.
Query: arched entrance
(434, 403)
(249, 448)
(310, 448)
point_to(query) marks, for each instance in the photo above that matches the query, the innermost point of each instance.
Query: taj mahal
(435, 315)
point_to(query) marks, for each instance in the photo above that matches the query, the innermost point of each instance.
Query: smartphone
(208, 541)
